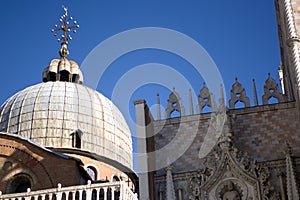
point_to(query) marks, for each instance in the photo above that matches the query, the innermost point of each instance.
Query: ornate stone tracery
(204, 99)
(174, 104)
(238, 93)
(228, 173)
(271, 89)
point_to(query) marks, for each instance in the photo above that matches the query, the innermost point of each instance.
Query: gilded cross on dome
(65, 27)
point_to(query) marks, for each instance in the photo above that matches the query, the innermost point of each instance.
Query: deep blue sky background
(240, 36)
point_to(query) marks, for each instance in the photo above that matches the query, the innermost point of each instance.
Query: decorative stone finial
(89, 182)
(65, 28)
(288, 148)
(174, 104)
(170, 193)
(204, 99)
(271, 89)
(238, 93)
(158, 107)
(254, 92)
(191, 102)
(291, 181)
(222, 98)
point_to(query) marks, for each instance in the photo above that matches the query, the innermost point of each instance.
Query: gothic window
(76, 138)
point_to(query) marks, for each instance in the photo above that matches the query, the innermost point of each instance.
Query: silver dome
(48, 113)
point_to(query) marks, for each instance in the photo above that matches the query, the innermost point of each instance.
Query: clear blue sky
(240, 36)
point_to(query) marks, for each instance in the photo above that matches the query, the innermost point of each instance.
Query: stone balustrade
(98, 191)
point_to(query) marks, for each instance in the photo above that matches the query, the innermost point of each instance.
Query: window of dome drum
(19, 183)
(76, 139)
(92, 172)
(115, 179)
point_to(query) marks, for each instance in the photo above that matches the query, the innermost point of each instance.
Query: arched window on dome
(76, 138)
(92, 172)
(64, 76)
(115, 178)
(52, 76)
(75, 78)
(19, 183)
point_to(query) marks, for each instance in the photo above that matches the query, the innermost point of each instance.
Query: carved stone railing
(98, 191)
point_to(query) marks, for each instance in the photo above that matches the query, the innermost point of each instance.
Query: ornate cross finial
(65, 27)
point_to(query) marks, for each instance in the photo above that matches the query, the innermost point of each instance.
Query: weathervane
(66, 28)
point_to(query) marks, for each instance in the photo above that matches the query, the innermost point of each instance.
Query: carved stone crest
(228, 173)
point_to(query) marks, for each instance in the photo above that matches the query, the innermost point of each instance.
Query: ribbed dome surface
(48, 113)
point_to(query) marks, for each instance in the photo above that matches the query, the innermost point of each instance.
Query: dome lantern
(63, 69)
